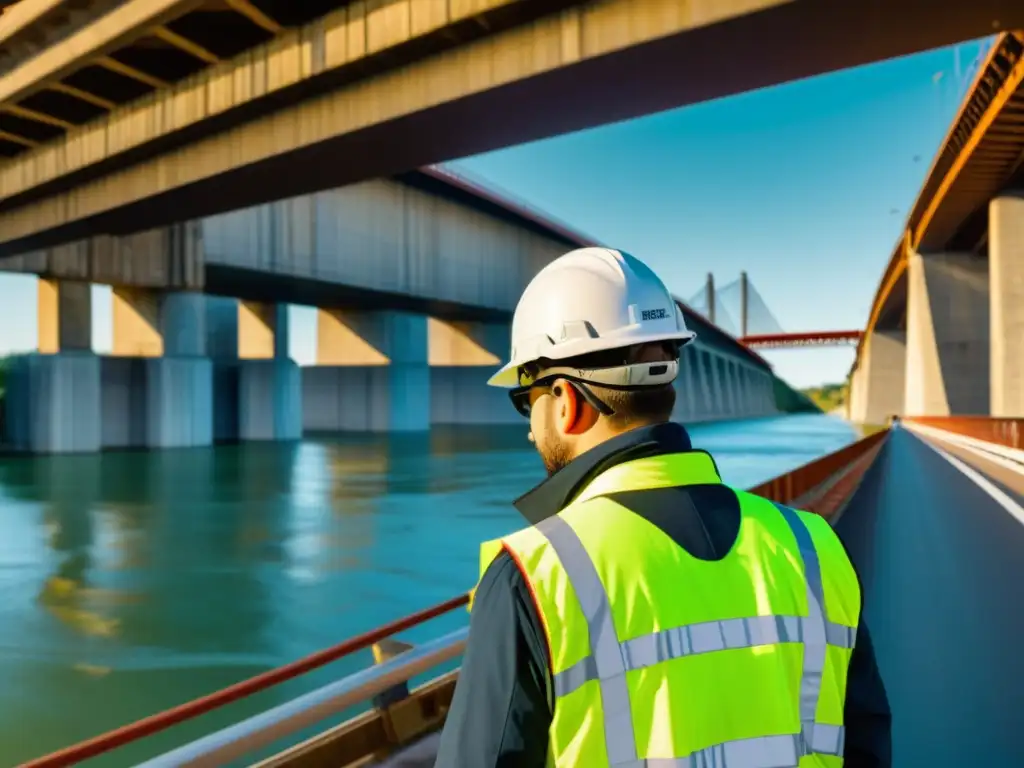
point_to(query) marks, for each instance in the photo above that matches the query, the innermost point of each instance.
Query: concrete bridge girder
(385, 236)
(463, 101)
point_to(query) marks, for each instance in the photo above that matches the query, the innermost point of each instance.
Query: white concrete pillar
(1006, 286)
(947, 335)
(52, 402)
(855, 397)
(881, 382)
(372, 373)
(158, 381)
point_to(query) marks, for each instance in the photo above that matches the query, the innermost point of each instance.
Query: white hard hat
(592, 300)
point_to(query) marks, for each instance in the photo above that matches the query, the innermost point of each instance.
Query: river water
(130, 582)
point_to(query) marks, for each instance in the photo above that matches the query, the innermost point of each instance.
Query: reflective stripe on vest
(609, 660)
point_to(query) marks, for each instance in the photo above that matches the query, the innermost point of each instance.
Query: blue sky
(805, 186)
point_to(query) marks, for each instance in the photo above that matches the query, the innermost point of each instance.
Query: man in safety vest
(650, 616)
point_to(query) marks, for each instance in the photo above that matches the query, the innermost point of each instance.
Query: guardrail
(800, 483)
(820, 486)
(991, 429)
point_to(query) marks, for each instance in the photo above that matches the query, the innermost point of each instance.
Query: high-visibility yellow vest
(655, 654)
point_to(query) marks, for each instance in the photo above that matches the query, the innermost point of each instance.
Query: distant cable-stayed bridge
(738, 309)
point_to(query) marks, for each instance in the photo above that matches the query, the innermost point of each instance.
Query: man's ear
(573, 414)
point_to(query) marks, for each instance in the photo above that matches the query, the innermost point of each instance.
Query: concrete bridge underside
(377, 89)
(414, 295)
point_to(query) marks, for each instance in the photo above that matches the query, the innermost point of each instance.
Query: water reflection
(134, 581)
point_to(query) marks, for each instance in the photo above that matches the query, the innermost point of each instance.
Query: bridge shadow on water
(941, 566)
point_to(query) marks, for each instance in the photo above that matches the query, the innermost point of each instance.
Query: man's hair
(649, 405)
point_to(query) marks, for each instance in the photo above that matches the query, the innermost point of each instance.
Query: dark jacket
(500, 714)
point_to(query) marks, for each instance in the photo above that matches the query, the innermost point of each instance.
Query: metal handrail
(1005, 431)
(240, 739)
(162, 720)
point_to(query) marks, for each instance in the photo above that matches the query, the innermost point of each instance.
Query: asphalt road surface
(941, 555)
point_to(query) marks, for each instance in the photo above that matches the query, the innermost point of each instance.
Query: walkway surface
(941, 555)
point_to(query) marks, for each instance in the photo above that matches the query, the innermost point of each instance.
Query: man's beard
(555, 455)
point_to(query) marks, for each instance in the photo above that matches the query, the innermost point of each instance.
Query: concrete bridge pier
(158, 382)
(1006, 286)
(53, 398)
(879, 388)
(269, 381)
(947, 347)
(462, 357)
(711, 387)
(694, 397)
(372, 373)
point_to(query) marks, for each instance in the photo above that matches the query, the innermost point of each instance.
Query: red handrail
(1005, 431)
(784, 488)
(169, 717)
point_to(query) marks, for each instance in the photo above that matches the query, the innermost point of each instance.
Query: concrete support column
(947, 335)
(732, 370)
(372, 373)
(463, 356)
(881, 378)
(269, 382)
(64, 316)
(158, 382)
(1006, 286)
(856, 407)
(52, 402)
(710, 387)
(768, 393)
(685, 409)
(746, 401)
(724, 387)
(752, 384)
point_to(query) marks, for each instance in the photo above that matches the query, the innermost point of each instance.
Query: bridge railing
(991, 429)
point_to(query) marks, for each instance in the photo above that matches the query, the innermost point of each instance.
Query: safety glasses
(520, 396)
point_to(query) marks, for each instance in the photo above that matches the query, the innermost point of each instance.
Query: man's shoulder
(501, 576)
